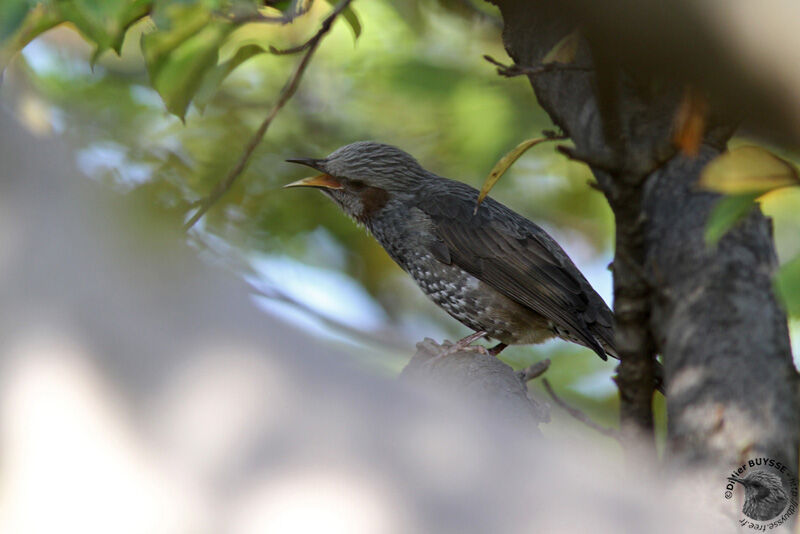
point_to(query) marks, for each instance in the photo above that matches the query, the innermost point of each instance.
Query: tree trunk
(710, 312)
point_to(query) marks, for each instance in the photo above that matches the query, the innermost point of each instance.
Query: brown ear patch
(373, 199)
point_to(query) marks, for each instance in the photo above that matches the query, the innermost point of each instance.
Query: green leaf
(103, 22)
(787, 286)
(176, 23)
(214, 77)
(37, 21)
(505, 162)
(748, 169)
(280, 5)
(350, 16)
(135, 12)
(12, 13)
(726, 213)
(564, 51)
(182, 52)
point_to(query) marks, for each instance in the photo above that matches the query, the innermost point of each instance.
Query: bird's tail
(605, 337)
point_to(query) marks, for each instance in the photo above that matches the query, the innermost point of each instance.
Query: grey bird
(492, 269)
(764, 494)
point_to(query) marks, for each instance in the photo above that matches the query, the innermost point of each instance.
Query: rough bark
(476, 377)
(710, 313)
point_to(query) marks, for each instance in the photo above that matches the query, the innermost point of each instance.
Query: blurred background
(415, 78)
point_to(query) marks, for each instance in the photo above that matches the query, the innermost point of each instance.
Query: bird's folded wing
(517, 263)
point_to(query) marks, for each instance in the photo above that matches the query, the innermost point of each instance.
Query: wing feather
(516, 257)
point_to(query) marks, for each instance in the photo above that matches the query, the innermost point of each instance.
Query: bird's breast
(474, 303)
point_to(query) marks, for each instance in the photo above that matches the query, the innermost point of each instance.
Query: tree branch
(510, 71)
(579, 415)
(721, 333)
(286, 93)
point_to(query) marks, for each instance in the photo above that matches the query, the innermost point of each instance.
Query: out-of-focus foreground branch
(142, 390)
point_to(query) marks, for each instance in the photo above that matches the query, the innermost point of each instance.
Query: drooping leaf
(748, 169)
(787, 286)
(690, 122)
(135, 11)
(564, 51)
(505, 162)
(103, 22)
(350, 16)
(726, 213)
(214, 77)
(179, 56)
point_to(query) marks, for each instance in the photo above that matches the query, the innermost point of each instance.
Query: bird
(764, 495)
(489, 268)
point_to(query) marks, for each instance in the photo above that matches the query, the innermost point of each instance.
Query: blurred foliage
(747, 175)
(159, 98)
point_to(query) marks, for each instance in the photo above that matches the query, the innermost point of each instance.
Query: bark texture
(710, 313)
(478, 378)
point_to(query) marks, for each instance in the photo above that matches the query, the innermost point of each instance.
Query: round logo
(765, 491)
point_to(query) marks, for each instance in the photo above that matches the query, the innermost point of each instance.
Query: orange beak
(325, 181)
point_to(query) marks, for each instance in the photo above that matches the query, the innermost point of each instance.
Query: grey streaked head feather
(377, 165)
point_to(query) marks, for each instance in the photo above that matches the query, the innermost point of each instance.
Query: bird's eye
(357, 185)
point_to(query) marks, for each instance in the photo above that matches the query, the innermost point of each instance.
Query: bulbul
(491, 269)
(764, 496)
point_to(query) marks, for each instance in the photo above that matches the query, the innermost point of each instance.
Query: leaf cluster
(182, 47)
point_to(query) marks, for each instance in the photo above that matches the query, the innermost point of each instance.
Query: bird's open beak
(317, 164)
(325, 181)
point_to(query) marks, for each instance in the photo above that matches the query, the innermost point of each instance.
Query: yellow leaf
(564, 51)
(505, 162)
(748, 169)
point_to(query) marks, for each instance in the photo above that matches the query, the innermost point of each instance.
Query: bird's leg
(464, 344)
(461, 344)
(497, 349)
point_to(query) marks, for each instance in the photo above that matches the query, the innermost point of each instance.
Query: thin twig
(510, 71)
(594, 185)
(286, 93)
(288, 51)
(384, 338)
(534, 371)
(232, 258)
(579, 415)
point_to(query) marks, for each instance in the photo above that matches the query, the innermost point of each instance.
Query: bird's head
(762, 487)
(362, 178)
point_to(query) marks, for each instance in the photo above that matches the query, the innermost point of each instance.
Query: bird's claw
(463, 345)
